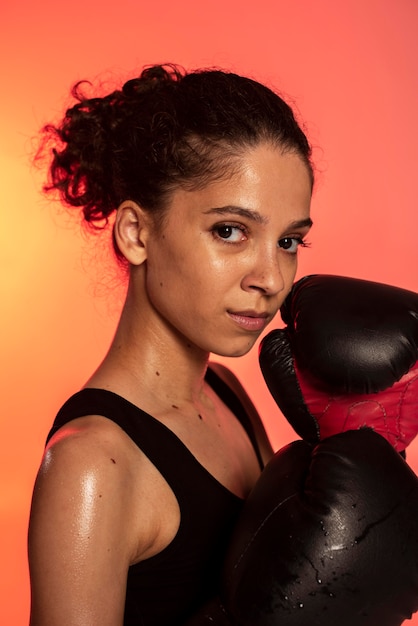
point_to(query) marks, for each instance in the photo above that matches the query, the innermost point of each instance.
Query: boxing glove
(213, 612)
(346, 359)
(327, 537)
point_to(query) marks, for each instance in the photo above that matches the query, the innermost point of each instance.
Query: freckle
(157, 373)
(174, 406)
(113, 461)
(161, 284)
(100, 495)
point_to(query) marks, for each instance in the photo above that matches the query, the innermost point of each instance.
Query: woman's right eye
(230, 233)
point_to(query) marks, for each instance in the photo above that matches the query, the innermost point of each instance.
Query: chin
(235, 352)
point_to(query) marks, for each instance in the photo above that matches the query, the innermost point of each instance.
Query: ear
(131, 231)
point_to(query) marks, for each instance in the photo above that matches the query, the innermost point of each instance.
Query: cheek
(204, 274)
(290, 279)
(288, 269)
(178, 290)
(192, 275)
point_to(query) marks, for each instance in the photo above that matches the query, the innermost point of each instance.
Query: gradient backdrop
(351, 70)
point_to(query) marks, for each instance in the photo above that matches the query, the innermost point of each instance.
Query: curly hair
(165, 129)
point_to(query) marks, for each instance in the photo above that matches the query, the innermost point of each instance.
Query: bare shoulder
(88, 450)
(84, 479)
(83, 531)
(90, 464)
(91, 441)
(234, 383)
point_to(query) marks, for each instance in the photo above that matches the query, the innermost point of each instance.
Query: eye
(291, 244)
(231, 233)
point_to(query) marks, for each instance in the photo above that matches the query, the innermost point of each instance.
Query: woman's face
(225, 259)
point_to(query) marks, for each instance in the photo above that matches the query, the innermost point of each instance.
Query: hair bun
(151, 78)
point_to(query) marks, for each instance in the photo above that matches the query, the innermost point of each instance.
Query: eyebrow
(306, 223)
(255, 216)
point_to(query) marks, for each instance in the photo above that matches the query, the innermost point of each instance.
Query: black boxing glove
(213, 612)
(346, 359)
(327, 537)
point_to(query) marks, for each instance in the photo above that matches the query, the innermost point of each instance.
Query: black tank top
(167, 588)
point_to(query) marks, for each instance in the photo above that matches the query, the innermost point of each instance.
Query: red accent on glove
(392, 413)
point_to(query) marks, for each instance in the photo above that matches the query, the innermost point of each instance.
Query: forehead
(261, 176)
(267, 164)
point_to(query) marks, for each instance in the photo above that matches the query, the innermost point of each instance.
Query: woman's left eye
(291, 244)
(230, 233)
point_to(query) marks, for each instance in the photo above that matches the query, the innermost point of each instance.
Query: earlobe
(131, 231)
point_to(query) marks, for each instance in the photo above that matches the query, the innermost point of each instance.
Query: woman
(147, 467)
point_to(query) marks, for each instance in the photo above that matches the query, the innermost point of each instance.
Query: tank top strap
(235, 405)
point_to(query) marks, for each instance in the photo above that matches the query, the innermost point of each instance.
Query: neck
(150, 363)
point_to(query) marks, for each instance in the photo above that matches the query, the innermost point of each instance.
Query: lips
(250, 320)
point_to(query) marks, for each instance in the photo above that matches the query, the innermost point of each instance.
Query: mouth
(250, 320)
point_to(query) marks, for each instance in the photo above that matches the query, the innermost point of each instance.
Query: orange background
(350, 68)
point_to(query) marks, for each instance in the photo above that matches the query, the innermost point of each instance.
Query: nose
(265, 273)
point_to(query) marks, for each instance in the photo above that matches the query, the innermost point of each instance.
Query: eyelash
(281, 243)
(231, 227)
(299, 243)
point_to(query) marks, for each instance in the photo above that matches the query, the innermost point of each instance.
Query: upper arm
(232, 381)
(80, 541)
